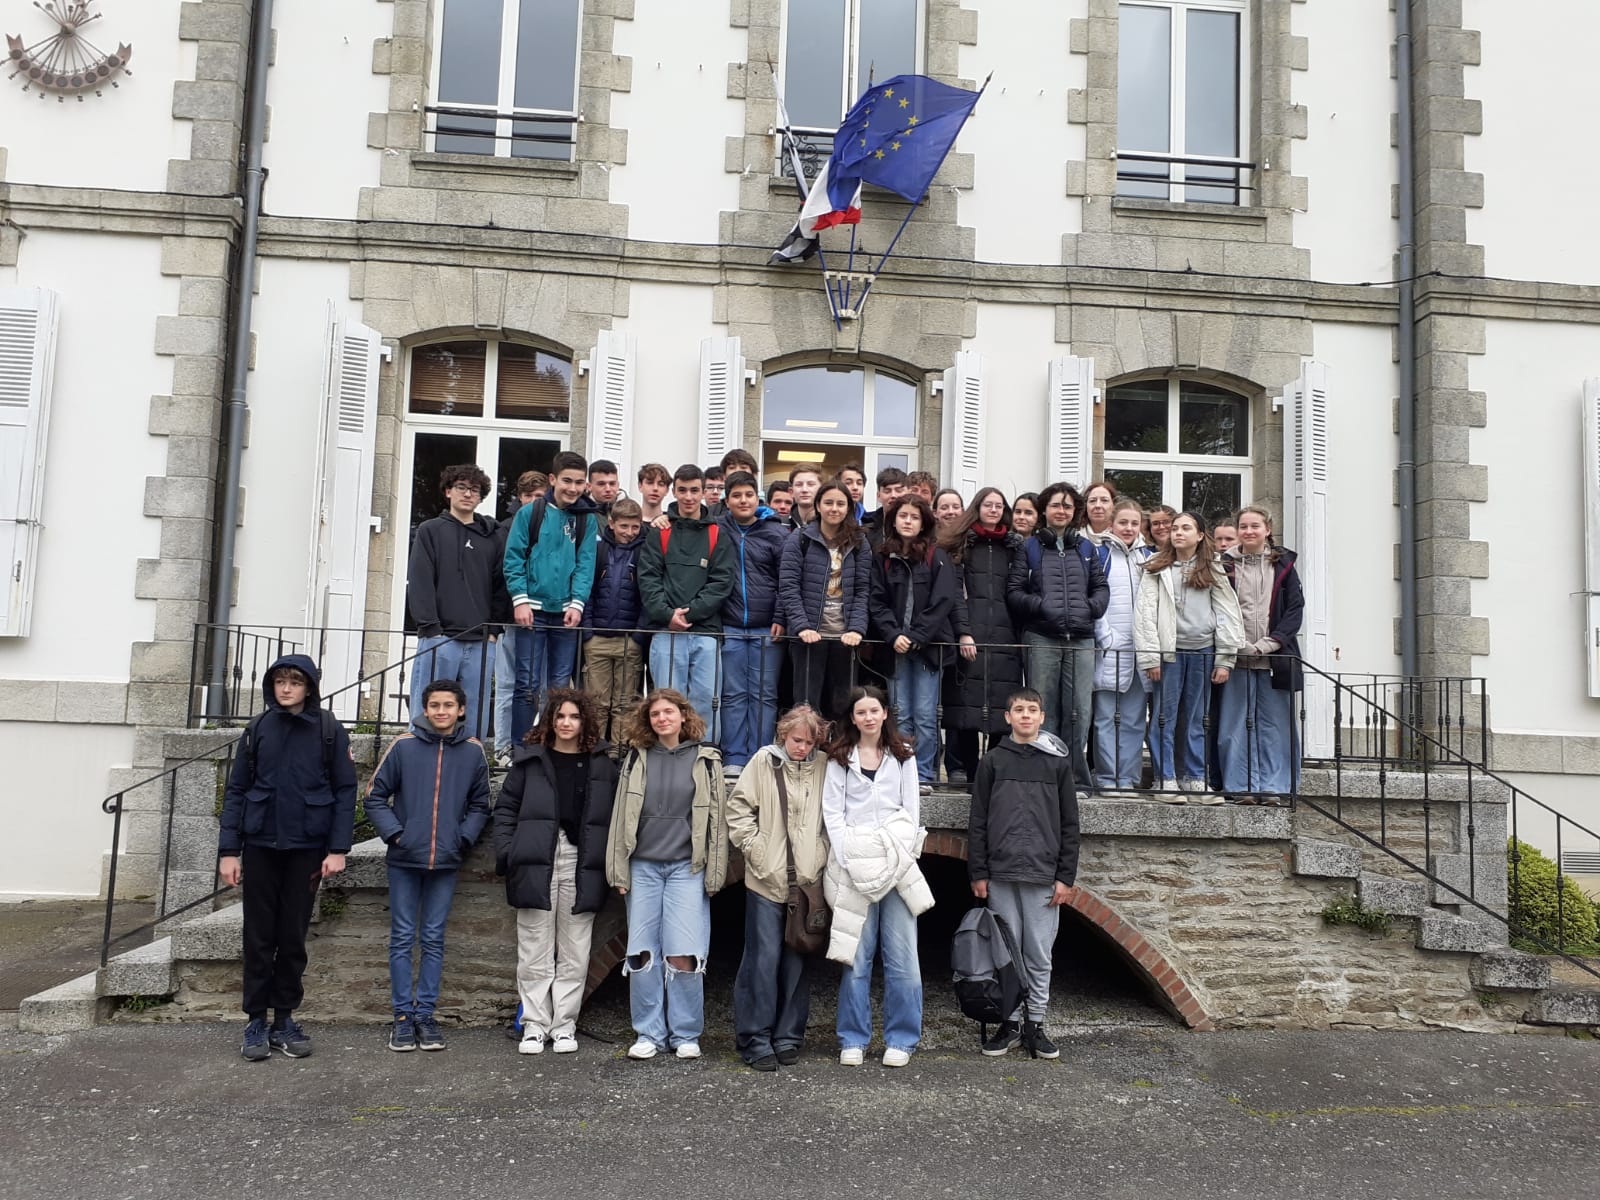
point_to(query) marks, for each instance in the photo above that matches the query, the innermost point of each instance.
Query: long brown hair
(849, 529)
(915, 549)
(849, 737)
(954, 540)
(638, 732)
(544, 733)
(1201, 575)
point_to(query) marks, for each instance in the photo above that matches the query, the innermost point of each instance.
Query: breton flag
(895, 137)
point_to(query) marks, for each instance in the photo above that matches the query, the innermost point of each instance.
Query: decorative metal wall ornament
(66, 63)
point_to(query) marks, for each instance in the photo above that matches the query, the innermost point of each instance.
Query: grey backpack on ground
(988, 969)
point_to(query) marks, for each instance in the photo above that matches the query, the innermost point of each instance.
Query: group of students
(573, 822)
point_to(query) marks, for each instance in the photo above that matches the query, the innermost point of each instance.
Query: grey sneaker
(255, 1046)
(290, 1038)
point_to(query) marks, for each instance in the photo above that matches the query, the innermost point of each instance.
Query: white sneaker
(851, 1056)
(502, 758)
(895, 1058)
(1197, 792)
(642, 1049)
(689, 1050)
(532, 1043)
(1169, 793)
(564, 1043)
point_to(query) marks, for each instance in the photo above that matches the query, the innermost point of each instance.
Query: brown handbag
(807, 915)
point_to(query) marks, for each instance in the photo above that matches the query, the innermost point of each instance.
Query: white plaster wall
(1019, 132)
(1349, 96)
(1538, 101)
(55, 778)
(321, 89)
(678, 116)
(1017, 343)
(1573, 796)
(670, 322)
(99, 454)
(1364, 525)
(1533, 376)
(121, 139)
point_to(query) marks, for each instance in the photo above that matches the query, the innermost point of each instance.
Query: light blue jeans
(505, 682)
(471, 664)
(751, 661)
(914, 692)
(890, 927)
(669, 916)
(419, 907)
(687, 662)
(1119, 737)
(1178, 749)
(1255, 736)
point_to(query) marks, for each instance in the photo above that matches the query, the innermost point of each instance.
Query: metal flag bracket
(842, 283)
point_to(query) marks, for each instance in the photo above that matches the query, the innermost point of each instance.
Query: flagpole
(803, 185)
(850, 266)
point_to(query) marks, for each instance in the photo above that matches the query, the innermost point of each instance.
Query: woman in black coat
(550, 828)
(988, 669)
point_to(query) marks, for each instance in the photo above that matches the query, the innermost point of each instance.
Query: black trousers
(822, 676)
(280, 888)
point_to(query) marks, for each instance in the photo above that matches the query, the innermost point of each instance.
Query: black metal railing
(1205, 179)
(468, 129)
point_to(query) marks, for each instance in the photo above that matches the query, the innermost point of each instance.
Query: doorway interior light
(796, 423)
(801, 456)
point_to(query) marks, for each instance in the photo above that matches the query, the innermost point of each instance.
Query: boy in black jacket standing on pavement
(287, 818)
(1022, 855)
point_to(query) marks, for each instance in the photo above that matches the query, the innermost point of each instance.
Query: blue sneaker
(290, 1038)
(255, 1047)
(428, 1035)
(403, 1034)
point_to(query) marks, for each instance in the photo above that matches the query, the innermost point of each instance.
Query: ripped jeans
(669, 916)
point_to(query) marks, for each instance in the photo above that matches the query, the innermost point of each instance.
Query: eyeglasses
(466, 489)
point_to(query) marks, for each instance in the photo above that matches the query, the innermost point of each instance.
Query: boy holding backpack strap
(1022, 856)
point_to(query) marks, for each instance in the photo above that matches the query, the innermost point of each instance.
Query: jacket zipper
(433, 836)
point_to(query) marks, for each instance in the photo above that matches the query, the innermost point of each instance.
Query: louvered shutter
(27, 357)
(1305, 530)
(1591, 530)
(611, 366)
(962, 461)
(721, 399)
(1070, 428)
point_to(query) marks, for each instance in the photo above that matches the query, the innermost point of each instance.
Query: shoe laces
(255, 1033)
(291, 1031)
(428, 1026)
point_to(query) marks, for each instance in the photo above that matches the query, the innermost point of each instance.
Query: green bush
(1531, 879)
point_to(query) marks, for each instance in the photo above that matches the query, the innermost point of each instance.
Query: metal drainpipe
(233, 417)
(1407, 346)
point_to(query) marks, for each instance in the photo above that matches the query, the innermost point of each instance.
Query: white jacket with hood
(1113, 632)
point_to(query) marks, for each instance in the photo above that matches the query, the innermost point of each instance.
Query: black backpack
(988, 969)
(536, 523)
(330, 728)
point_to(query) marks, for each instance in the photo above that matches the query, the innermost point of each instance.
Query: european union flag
(896, 136)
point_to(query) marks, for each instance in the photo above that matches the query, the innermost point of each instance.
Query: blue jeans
(891, 927)
(419, 906)
(1178, 747)
(1119, 737)
(751, 661)
(687, 662)
(547, 657)
(669, 916)
(471, 664)
(772, 992)
(1256, 738)
(1062, 671)
(914, 692)
(505, 682)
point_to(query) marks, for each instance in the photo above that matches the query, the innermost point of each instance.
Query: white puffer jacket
(866, 864)
(1113, 633)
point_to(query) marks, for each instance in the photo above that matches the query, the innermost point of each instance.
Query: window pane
(887, 45)
(1144, 78)
(547, 54)
(1144, 487)
(1136, 418)
(533, 385)
(432, 453)
(1212, 421)
(813, 63)
(469, 53)
(894, 407)
(447, 379)
(1211, 89)
(1211, 495)
(818, 400)
(463, 135)
(516, 456)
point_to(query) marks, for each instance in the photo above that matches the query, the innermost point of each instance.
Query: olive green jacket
(708, 821)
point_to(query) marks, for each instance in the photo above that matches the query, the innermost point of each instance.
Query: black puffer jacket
(975, 692)
(1058, 589)
(915, 599)
(527, 818)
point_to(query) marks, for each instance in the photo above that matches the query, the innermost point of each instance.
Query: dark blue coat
(429, 797)
(279, 792)
(915, 599)
(1058, 589)
(757, 556)
(803, 580)
(614, 606)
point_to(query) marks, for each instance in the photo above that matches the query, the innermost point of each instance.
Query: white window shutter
(1591, 529)
(961, 463)
(721, 399)
(611, 366)
(1305, 529)
(1070, 429)
(27, 358)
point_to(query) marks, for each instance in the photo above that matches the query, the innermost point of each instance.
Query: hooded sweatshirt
(453, 579)
(1023, 827)
(429, 797)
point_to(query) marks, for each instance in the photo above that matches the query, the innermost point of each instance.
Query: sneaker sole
(430, 1046)
(572, 1049)
(643, 1057)
(1004, 1050)
(251, 1056)
(288, 1053)
(1052, 1057)
(530, 1050)
(402, 1049)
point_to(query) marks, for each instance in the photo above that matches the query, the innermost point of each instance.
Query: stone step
(215, 937)
(1566, 1006)
(1442, 931)
(66, 1008)
(1326, 860)
(1448, 785)
(145, 971)
(1508, 970)
(1397, 897)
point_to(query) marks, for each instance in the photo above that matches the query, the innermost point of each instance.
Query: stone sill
(489, 165)
(878, 195)
(1231, 214)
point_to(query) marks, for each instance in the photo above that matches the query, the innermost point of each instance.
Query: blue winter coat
(614, 606)
(1058, 588)
(803, 580)
(280, 794)
(429, 797)
(758, 558)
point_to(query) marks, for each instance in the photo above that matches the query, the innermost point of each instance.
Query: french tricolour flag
(818, 212)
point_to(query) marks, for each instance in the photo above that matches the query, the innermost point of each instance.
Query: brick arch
(1146, 960)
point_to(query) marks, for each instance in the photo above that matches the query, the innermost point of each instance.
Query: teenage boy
(613, 658)
(739, 460)
(549, 570)
(855, 482)
(655, 481)
(429, 801)
(685, 574)
(530, 485)
(287, 817)
(924, 484)
(453, 583)
(780, 499)
(751, 654)
(1022, 855)
(891, 486)
(714, 477)
(603, 484)
(804, 483)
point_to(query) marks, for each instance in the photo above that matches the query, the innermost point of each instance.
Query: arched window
(833, 415)
(1179, 442)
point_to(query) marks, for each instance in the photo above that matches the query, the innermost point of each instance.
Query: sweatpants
(280, 888)
(1026, 910)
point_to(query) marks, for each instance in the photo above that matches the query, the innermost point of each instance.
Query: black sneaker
(956, 777)
(788, 1056)
(766, 1063)
(1002, 1039)
(290, 1038)
(255, 1047)
(1037, 1042)
(403, 1035)
(428, 1035)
